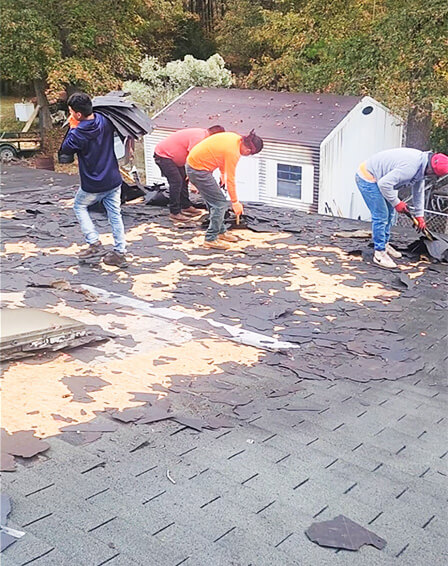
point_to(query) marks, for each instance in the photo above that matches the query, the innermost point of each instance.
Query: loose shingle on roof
(290, 117)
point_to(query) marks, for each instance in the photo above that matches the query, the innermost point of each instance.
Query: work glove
(421, 223)
(402, 207)
(237, 208)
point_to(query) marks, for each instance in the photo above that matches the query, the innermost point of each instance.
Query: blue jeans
(383, 213)
(112, 203)
(215, 199)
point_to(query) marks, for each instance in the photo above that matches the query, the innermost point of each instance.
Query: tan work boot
(116, 259)
(180, 218)
(393, 252)
(383, 259)
(93, 253)
(192, 211)
(216, 245)
(227, 237)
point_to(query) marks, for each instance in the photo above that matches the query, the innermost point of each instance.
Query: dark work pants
(177, 181)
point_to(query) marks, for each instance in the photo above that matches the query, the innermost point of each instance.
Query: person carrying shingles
(91, 137)
(379, 179)
(170, 155)
(221, 151)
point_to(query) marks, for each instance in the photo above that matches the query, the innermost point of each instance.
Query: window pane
(289, 181)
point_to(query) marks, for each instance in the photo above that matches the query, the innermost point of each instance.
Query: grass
(8, 122)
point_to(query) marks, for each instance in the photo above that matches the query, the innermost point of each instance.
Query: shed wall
(352, 142)
(291, 155)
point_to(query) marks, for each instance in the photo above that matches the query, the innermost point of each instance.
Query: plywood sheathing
(305, 277)
(31, 387)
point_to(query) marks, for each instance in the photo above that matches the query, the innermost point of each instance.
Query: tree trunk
(44, 112)
(418, 128)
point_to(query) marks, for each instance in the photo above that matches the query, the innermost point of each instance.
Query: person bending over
(170, 155)
(221, 151)
(379, 179)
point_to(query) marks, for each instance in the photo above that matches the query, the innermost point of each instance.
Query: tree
(162, 83)
(71, 44)
(29, 47)
(233, 36)
(394, 50)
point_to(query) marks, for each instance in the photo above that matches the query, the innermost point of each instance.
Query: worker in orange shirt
(221, 151)
(170, 155)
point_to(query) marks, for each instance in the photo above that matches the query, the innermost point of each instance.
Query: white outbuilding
(313, 143)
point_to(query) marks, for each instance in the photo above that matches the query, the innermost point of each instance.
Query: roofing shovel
(436, 246)
(425, 231)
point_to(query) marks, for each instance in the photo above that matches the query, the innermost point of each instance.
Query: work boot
(383, 259)
(180, 217)
(393, 252)
(93, 252)
(227, 237)
(216, 245)
(192, 211)
(117, 259)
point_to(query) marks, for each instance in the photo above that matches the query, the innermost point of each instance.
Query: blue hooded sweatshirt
(93, 142)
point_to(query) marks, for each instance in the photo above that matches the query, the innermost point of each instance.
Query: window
(289, 181)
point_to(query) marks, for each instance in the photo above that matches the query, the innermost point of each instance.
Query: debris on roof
(28, 331)
(342, 532)
(352, 415)
(8, 536)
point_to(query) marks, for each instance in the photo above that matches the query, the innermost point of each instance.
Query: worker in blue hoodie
(91, 137)
(379, 179)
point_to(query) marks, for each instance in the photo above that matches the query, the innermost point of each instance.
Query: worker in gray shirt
(379, 179)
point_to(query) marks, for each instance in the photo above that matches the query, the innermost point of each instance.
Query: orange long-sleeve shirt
(220, 151)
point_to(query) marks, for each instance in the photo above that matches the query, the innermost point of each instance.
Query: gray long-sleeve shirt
(395, 168)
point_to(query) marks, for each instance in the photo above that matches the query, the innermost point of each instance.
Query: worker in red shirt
(170, 155)
(221, 151)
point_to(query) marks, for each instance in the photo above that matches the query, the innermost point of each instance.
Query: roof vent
(367, 110)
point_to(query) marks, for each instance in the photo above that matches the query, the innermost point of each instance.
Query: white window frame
(307, 180)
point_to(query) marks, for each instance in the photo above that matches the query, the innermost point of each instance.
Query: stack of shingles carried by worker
(126, 117)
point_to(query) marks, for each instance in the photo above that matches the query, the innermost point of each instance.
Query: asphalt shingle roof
(373, 449)
(289, 117)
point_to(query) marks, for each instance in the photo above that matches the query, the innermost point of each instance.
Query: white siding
(152, 170)
(356, 138)
(291, 155)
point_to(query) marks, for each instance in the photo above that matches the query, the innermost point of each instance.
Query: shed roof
(290, 117)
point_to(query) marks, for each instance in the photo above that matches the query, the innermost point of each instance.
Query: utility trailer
(13, 144)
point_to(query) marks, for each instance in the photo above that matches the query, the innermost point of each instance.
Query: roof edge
(361, 102)
(172, 102)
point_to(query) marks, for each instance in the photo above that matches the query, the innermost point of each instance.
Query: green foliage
(88, 45)
(234, 37)
(75, 42)
(162, 83)
(29, 45)
(394, 50)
